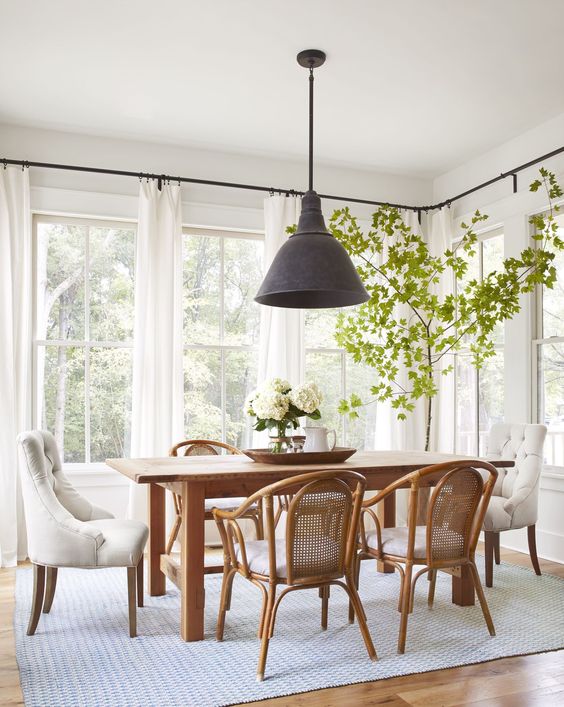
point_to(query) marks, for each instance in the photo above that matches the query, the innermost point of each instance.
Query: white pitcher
(316, 439)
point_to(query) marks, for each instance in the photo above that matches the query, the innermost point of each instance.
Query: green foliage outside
(408, 325)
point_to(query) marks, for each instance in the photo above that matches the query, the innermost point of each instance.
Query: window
(338, 376)
(84, 275)
(548, 355)
(222, 273)
(480, 393)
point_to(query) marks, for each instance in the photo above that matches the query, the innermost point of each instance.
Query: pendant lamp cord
(311, 128)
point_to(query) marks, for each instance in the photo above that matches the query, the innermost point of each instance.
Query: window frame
(539, 340)
(483, 236)
(40, 217)
(221, 348)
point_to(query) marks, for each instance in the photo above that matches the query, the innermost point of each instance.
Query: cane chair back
(201, 447)
(454, 518)
(318, 549)
(451, 515)
(317, 530)
(205, 447)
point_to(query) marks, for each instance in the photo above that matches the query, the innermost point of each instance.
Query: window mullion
(87, 347)
(223, 392)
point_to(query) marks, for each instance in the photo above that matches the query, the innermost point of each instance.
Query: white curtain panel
(15, 347)
(442, 425)
(392, 433)
(158, 384)
(281, 352)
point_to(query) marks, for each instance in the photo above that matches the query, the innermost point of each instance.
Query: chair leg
(406, 596)
(132, 600)
(356, 569)
(173, 534)
(482, 598)
(532, 538)
(225, 599)
(489, 552)
(140, 588)
(361, 616)
(497, 557)
(267, 630)
(38, 593)
(324, 593)
(432, 582)
(50, 589)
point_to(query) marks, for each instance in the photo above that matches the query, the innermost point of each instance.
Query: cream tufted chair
(66, 530)
(514, 502)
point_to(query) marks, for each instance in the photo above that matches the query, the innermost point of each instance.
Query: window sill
(100, 474)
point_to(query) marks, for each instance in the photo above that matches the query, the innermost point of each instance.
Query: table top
(214, 468)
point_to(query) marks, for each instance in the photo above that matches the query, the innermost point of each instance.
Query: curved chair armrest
(363, 543)
(83, 529)
(229, 528)
(517, 499)
(381, 495)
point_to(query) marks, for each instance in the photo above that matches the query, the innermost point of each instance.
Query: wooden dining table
(199, 477)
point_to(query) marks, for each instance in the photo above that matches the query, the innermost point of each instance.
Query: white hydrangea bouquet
(277, 405)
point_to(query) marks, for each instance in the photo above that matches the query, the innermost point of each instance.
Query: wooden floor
(510, 682)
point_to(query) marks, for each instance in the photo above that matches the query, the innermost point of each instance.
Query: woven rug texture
(82, 655)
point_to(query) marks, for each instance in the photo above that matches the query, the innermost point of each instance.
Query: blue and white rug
(82, 654)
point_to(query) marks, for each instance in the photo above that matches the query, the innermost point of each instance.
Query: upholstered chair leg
(497, 557)
(266, 632)
(532, 538)
(50, 589)
(324, 594)
(432, 574)
(482, 598)
(225, 599)
(489, 552)
(406, 600)
(140, 588)
(38, 593)
(132, 600)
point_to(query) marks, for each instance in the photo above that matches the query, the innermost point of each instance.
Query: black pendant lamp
(312, 270)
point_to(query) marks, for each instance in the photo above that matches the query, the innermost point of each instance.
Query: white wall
(512, 211)
(75, 193)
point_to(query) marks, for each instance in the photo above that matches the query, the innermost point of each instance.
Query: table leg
(389, 521)
(157, 580)
(192, 562)
(463, 588)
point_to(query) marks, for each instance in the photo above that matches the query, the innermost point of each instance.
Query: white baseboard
(550, 546)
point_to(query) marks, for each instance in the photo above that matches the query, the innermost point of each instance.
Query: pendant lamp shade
(312, 270)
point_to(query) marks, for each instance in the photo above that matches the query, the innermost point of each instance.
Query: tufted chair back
(55, 512)
(519, 485)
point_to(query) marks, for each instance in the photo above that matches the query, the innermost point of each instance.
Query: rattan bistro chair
(203, 447)
(448, 541)
(318, 548)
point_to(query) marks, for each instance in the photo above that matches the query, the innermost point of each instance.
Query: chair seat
(226, 504)
(496, 517)
(257, 555)
(123, 542)
(394, 541)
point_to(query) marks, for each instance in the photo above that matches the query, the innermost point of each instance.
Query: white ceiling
(410, 86)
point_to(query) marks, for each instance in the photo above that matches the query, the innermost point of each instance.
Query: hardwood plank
(388, 466)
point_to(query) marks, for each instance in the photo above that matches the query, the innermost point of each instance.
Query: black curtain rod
(272, 190)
